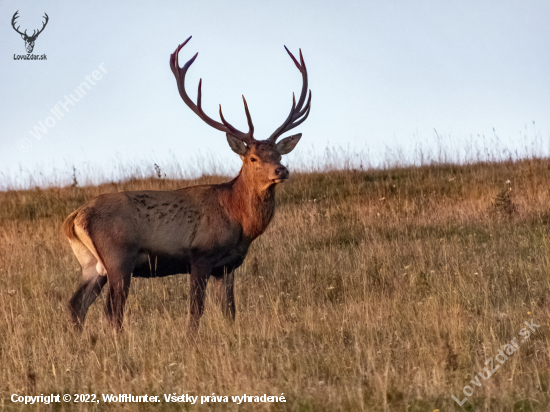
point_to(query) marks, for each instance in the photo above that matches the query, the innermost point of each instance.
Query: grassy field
(371, 290)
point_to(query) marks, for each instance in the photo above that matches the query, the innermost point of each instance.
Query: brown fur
(202, 230)
(68, 226)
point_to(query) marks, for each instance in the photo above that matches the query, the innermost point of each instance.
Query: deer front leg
(223, 294)
(200, 272)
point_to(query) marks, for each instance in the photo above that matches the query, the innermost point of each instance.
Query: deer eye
(253, 159)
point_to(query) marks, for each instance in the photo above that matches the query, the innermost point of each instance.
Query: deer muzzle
(281, 174)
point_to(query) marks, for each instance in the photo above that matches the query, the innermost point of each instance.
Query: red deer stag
(202, 230)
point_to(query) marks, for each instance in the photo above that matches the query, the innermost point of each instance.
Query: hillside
(371, 290)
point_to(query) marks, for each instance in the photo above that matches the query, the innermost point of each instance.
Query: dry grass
(371, 290)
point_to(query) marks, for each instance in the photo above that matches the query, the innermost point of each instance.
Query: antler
(225, 126)
(43, 26)
(34, 33)
(15, 16)
(298, 113)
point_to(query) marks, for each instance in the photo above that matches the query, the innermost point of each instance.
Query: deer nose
(282, 172)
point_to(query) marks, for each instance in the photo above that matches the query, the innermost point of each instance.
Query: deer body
(165, 230)
(202, 230)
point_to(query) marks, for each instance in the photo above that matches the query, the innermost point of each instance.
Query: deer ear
(288, 144)
(23, 36)
(236, 145)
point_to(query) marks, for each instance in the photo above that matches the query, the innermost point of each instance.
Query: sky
(383, 74)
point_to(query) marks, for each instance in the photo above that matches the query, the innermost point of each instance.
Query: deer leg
(85, 295)
(223, 294)
(119, 286)
(90, 287)
(200, 272)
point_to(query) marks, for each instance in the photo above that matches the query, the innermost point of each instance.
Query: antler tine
(307, 109)
(35, 32)
(15, 17)
(303, 70)
(293, 58)
(235, 131)
(44, 25)
(299, 112)
(248, 117)
(307, 106)
(226, 127)
(280, 129)
(232, 129)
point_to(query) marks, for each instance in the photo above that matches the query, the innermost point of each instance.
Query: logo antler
(29, 40)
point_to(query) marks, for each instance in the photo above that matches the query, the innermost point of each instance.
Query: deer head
(262, 166)
(29, 40)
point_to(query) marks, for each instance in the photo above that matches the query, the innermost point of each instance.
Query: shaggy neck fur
(252, 204)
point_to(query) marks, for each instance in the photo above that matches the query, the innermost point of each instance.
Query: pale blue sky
(382, 73)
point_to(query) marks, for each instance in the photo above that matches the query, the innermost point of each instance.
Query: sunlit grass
(372, 289)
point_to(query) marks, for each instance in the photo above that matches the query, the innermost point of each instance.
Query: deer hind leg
(223, 294)
(119, 274)
(93, 280)
(200, 272)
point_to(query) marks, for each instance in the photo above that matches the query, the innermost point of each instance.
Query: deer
(204, 231)
(29, 40)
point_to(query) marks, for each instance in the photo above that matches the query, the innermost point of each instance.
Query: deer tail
(68, 226)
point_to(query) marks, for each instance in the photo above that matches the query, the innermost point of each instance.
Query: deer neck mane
(253, 207)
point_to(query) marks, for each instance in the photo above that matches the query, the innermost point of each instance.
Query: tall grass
(373, 289)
